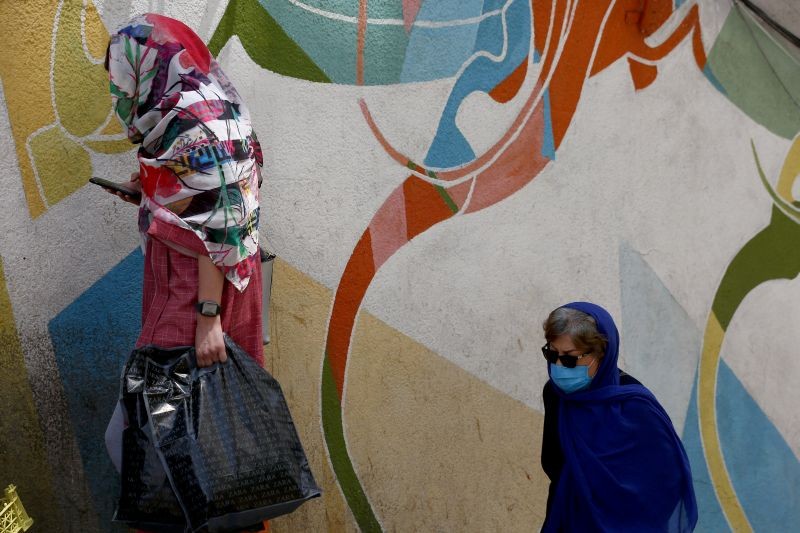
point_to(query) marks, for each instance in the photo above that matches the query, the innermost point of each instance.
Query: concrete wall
(440, 174)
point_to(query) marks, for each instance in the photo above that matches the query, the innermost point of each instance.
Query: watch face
(209, 309)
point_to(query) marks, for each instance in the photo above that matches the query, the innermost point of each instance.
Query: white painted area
(761, 347)
(202, 17)
(10, 178)
(712, 18)
(662, 343)
(668, 169)
(325, 174)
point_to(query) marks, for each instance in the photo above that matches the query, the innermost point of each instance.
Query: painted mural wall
(440, 174)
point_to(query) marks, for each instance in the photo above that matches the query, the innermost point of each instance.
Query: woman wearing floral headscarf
(199, 174)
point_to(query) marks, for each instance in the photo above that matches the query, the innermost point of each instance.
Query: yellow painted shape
(436, 448)
(298, 319)
(64, 166)
(96, 33)
(111, 147)
(114, 128)
(707, 413)
(27, 27)
(80, 93)
(22, 453)
(789, 172)
(81, 87)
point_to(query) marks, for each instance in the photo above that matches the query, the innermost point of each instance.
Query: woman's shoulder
(627, 379)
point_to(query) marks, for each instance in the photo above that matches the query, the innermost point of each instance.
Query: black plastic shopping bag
(207, 449)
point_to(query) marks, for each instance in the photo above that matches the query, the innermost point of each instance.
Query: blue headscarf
(625, 468)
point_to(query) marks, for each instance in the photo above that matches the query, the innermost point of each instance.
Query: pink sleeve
(170, 233)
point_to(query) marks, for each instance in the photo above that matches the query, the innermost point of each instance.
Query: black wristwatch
(208, 308)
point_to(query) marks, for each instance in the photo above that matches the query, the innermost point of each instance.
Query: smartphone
(114, 186)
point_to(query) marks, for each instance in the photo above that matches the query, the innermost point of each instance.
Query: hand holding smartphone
(130, 194)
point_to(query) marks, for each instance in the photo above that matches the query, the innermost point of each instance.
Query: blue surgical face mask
(570, 379)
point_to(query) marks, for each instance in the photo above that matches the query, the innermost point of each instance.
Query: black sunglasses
(569, 361)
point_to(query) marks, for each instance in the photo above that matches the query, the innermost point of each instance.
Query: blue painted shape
(661, 342)
(763, 469)
(710, 519)
(449, 147)
(449, 10)
(92, 338)
(709, 74)
(764, 472)
(548, 144)
(435, 53)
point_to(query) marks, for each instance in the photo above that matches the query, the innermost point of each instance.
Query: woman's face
(564, 345)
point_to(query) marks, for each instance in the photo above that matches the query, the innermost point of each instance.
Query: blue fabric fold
(625, 468)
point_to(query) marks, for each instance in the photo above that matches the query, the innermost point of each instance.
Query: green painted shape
(447, 199)
(23, 457)
(340, 460)
(771, 254)
(445, 196)
(267, 44)
(785, 66)
(742, 59)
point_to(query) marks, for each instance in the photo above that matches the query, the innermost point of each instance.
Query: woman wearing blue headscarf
(612, 455)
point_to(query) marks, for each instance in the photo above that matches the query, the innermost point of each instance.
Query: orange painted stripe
(353, 286)
(362, 37)
(424, 206)
(509, 87)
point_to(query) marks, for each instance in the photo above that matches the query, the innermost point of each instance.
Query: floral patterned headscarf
(199, 156)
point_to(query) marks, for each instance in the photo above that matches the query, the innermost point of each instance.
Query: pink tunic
(169, 317)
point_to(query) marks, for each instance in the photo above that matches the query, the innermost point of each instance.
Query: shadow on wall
(92, 337)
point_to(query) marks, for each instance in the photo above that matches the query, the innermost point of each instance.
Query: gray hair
(579, 326)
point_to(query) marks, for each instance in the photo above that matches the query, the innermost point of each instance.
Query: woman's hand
(209, 343)
(134, 184)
